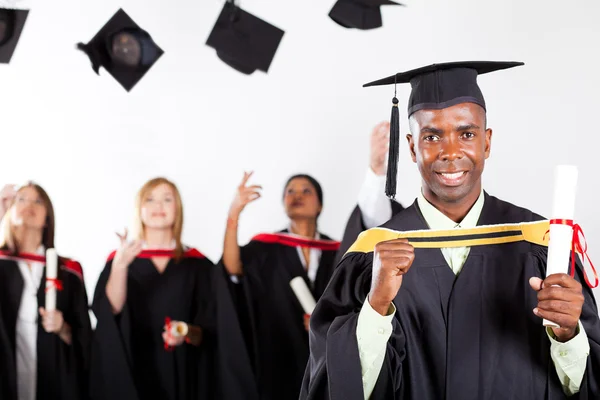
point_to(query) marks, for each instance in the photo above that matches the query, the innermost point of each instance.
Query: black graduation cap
(11, 26)
(125, 50)
(359, 14)
(244, 41)
(435, 87)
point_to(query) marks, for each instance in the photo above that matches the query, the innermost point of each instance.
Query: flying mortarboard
(435, 87)
(12, 23)
(244, 41)
(125, 50)
(359, 14)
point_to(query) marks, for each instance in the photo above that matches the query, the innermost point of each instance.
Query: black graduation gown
(129, 360)
(355, 226)
(272, 316)
(62, 369)
(468, 337)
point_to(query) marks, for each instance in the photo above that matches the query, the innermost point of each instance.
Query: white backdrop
(200, 123)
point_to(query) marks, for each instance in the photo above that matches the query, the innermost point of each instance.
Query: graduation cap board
(359, 14)
(435, 87)
(124, 49)
(244, 41)
(12, 22)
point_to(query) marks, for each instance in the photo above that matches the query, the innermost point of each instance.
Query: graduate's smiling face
(29, 209)
(450, 147)
(159, 208)
(301, 200)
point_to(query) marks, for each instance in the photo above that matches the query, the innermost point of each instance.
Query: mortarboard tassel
(394, 150)
(92, 54)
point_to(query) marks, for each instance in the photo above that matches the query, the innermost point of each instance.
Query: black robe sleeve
(355, 226)
(590, 385)
(8, 376)
(253, 256)
(78, 317)
(110, 350)
(236, 377)
(334, 370)
(200, 360)
(63, 369)
(224, 364)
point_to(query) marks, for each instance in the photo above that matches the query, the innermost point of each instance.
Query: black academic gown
(355, 226)
(129, 360)
(471, 337)
(62, 369)
(272, 316)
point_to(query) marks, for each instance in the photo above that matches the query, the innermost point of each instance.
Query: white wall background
(200, 123)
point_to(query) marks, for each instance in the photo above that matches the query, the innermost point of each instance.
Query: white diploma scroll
(51, 273)
(561, 235)
(303, 294)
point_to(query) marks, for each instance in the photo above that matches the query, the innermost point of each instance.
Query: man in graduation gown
(398, 322)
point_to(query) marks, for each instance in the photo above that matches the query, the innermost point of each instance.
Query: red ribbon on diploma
(54, 283)
(169, 336)
(579, 246)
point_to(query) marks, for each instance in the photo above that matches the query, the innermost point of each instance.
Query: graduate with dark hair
(275, 259)
(417, 315)
(274, 323)
(44, 353)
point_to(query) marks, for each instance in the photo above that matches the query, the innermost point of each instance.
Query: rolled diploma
(179, 329)
(51, 271)
(303, 294)
(561, 236)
